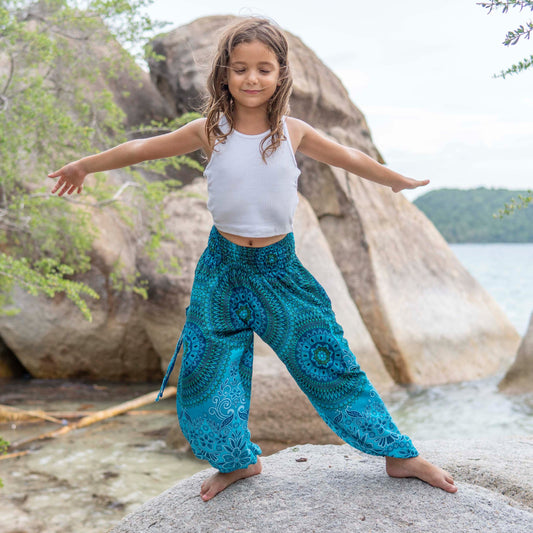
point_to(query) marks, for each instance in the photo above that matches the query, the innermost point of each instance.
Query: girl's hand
(408, 183)
(71, 178)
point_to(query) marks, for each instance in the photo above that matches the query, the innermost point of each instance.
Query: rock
(128, 336)
(16, 520)
(336, 488)
(52, 339)
(519, 377)
(10, 366)
(430, 320)
(131, 86)
(280, 413)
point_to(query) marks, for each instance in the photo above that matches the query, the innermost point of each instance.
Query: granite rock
(336, 488)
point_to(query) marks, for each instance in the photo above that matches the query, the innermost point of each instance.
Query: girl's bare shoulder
(297, 130)
(198, 128)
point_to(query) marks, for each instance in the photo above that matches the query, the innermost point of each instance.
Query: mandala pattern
(246, 310)
(238, 291)
(320, 356)
(193, 349)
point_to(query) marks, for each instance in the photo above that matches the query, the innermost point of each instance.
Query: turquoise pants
(238, 290)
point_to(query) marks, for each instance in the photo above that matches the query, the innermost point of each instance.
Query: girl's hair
(220, 102)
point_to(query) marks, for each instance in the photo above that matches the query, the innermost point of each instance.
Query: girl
(249, 278)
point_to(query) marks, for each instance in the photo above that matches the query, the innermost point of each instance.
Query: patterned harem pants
(238, 290)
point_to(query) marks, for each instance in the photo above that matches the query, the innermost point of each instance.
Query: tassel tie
(170, 367)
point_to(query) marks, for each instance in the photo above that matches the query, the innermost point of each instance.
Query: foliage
(511, 39)
(4, 445)
(57, 58)
(466, 215)
(513, 36)
(511, 206)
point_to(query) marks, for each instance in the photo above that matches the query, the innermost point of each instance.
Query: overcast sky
(421, 72)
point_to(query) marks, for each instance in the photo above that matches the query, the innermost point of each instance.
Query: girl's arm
(315, 145)
(186, 139)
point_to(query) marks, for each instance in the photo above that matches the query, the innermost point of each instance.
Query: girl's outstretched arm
(186, 139)
(315, 145)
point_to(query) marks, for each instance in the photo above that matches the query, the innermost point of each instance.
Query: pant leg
(214, 386)
(311, 344)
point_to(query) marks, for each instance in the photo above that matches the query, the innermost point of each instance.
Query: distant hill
(466, 215)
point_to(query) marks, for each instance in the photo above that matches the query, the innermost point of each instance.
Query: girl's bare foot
(422, 469)
(219, 481)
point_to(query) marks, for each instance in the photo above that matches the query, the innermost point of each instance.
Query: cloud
(353, 78)
(427, 131)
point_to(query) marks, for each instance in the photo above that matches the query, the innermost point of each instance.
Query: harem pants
(238, 290)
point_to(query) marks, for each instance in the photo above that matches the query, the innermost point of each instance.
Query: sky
(421, 71)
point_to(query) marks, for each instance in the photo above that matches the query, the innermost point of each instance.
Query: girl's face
(253, 74)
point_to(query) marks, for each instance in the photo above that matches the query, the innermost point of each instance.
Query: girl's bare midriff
(254, 242)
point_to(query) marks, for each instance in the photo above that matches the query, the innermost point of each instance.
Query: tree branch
(505, 5)
(11, 71)
(115, 197)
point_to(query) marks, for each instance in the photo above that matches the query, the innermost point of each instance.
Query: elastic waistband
(271, 257)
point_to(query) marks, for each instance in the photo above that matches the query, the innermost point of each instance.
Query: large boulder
(336, 488)
(519, 377)
(52, 339)
(430, 320)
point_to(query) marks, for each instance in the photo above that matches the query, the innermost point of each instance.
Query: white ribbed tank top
(246, 196)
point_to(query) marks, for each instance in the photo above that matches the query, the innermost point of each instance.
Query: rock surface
(430, 320)
(519, 377)
(337, 488)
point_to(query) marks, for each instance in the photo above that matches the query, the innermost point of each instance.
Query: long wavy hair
(220, 102)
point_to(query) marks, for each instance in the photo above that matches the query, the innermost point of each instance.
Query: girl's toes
(211, 493)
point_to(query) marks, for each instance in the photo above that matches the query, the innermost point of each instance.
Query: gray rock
(519, 377)
(339, 489)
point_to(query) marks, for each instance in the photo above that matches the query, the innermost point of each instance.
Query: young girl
(249, 278)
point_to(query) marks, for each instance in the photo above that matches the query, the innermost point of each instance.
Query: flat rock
(336, 488)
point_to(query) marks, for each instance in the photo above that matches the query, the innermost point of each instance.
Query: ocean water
(477, 409)
(505, 270)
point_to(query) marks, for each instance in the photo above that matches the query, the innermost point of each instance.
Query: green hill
(466, 215)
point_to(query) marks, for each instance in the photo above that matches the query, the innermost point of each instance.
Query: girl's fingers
(58, 184)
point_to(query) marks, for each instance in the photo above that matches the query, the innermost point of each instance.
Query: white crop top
(246, 196)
